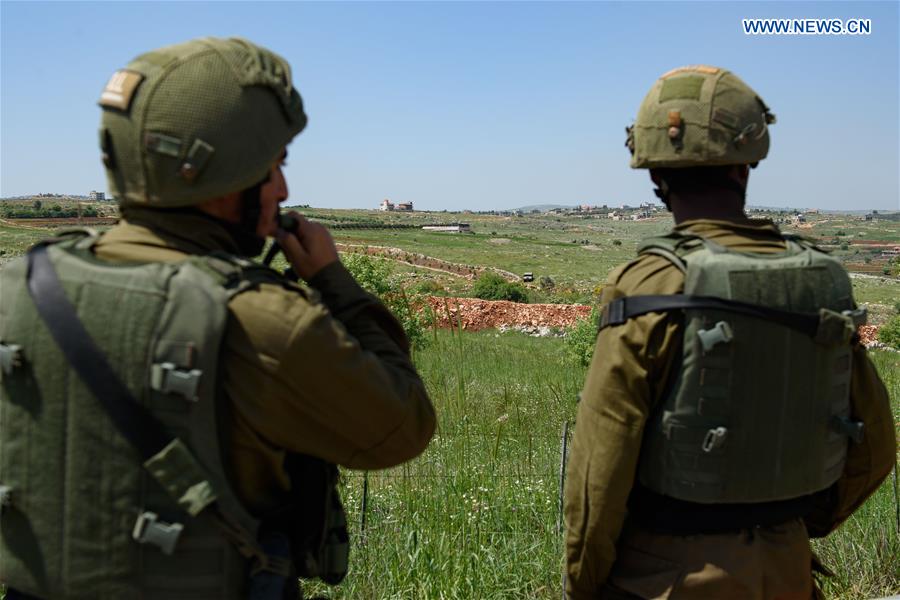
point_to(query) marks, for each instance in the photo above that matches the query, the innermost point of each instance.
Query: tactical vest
(758, 409)
(83, 516)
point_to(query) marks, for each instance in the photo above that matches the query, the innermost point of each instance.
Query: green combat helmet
(197, 120)
(699, 116)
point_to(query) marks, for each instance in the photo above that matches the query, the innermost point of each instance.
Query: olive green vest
(82, 517)
(758, 410)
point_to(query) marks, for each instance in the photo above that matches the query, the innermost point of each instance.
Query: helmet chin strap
(662, 192)
(244, 233)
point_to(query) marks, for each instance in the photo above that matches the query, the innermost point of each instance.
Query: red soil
(474, 314)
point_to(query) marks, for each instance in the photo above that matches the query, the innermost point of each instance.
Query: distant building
(96, 196)
(457, 228)
(407, 206)
(386, 205)
(797, 219)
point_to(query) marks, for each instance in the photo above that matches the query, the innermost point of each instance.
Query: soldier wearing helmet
(730, 412)
(172, 411)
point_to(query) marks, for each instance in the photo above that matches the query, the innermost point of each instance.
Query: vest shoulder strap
(674, 247)
(238, 275)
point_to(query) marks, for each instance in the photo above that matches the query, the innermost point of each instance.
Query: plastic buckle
(10, 357)
(720, 334)
(5, 497)
(859, 316)
(169, 379)
(715, 438)
(855, 430)
(148, 529)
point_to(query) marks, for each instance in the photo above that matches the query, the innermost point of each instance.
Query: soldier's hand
(309, 248)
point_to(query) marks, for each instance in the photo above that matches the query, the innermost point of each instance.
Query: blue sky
(474, 105)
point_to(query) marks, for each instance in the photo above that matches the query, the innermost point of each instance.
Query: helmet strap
(244, 232)
(662, 192)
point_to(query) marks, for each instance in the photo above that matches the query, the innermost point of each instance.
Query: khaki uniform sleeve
(337, 384)
(626, 378)
(869, 462)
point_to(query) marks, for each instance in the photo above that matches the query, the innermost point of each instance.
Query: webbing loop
(10, 357)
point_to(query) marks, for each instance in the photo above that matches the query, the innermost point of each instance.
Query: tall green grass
(864, 552)
(477, 515)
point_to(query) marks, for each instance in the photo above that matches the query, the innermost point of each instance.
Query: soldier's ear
(227, 207)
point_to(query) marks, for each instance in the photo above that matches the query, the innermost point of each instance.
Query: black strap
(621, 309)
(140, 428)
(663, 514)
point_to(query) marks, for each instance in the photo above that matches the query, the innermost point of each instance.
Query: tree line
(37, 211)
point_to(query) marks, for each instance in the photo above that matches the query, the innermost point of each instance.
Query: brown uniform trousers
(753, 564)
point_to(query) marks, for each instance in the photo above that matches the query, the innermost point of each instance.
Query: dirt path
(427, 262)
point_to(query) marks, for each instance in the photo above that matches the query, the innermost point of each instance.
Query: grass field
(574, 251)
(577, 252)
(477, 515)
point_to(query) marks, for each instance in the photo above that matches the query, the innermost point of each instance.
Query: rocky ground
(543, 320)
(473, 314)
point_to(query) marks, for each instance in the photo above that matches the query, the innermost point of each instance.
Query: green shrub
(491, 286)
(889, 333)
(427, 287)
(376, 277)
(581, 338)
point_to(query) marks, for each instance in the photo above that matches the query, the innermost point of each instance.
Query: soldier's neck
(725, 205)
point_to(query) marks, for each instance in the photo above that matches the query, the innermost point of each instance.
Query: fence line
(408, 474)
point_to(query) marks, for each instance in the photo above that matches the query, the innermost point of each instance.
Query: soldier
(171, 411)
(730, 412)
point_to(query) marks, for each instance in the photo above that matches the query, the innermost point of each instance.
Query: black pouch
(313, 520)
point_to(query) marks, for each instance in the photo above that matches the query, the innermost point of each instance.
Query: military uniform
(622, 539)
(328, 375)
(171, 412)
(625, 536)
